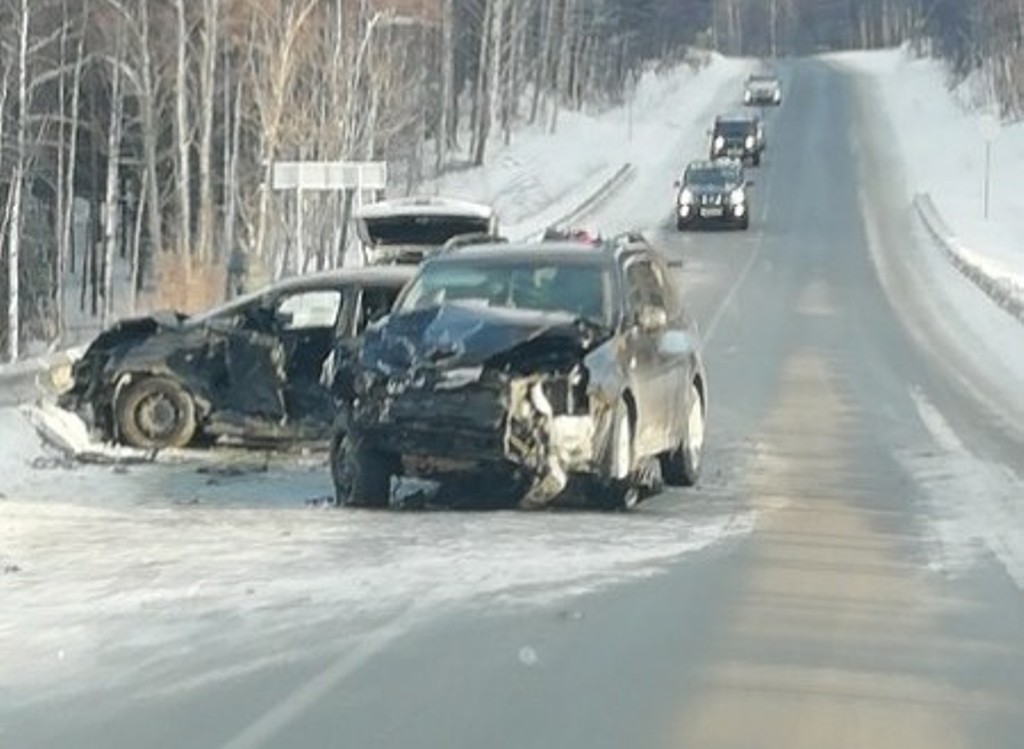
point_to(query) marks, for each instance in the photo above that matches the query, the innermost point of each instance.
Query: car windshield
(580, 289)
(710, 176)
(734, 128)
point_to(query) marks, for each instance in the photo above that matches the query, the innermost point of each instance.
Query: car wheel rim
(695, 431)
(158, 416)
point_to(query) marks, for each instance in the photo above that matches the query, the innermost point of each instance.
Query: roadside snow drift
(941, 136)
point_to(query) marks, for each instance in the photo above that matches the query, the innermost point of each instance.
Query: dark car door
(363, 307)
(650, 371)
(306, 321)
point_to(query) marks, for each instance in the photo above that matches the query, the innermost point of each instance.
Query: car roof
(430, 205)
(715, 164)
(737, 117)
(601, 252)
(370, 275)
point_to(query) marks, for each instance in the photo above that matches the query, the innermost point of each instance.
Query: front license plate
(711, 212)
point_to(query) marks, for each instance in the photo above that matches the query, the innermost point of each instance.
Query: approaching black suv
(738, 137)
(713, 192)
(525, 374)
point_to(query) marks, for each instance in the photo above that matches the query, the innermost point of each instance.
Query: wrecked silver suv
(527, 373)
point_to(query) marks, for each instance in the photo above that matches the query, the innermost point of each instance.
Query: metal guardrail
(604, 192)
(1002, 291)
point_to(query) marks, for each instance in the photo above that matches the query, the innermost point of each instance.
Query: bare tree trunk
(481, 117)
(562, 62)
(62, 166)
(183, 132)
(207, 89)
(154, 217)
(135, 275)
(112, 202)
(444, 137)
(542, 79)
(15, 228)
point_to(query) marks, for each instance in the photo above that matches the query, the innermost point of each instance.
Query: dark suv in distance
(527, 374)
(713, 192)
(738, 136)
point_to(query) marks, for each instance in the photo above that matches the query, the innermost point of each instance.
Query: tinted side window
(374, 303)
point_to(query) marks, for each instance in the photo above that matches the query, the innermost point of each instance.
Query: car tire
(745, 223)
(682, 466)
(155, 413)
(361, 474)
(618, 489)
(681, 225)
(756, 160)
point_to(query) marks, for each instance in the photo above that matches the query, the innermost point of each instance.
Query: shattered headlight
(567, 394)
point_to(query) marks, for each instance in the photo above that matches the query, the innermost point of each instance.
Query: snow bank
(941, 140)
(542, 176)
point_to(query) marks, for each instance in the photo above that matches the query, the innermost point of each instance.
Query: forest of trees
(137, 137)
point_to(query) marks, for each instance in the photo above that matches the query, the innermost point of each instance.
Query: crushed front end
(506, 408)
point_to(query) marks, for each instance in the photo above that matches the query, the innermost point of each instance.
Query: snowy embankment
(940, 137)
(541, 177)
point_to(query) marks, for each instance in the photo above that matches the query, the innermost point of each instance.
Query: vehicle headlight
(737, 195)
(719, 143)
(777, 95)
(750, 141)
(686, 196)
(746, 96)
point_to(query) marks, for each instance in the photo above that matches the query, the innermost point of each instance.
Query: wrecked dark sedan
(537, 371)
(256, 370)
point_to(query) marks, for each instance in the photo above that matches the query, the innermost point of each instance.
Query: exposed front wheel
(618, 489)
(682, 466)
(155, 413)
(362, 474)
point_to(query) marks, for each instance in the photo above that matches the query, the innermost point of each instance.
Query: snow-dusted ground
(931, 136)
(110, 573)
(940, 137)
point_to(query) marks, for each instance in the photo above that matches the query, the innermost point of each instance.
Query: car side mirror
(677, 184)
(750, 183)
(650, 318)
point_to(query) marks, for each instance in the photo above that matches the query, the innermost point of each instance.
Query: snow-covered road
(847, 574)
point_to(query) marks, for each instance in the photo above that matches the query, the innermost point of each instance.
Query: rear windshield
(431, 231)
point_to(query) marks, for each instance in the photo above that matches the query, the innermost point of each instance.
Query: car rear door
(649, 366)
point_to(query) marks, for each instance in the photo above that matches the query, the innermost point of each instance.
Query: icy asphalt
(848, 575)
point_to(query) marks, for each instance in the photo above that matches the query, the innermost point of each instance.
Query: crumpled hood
(454, 336)
(134, 330)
